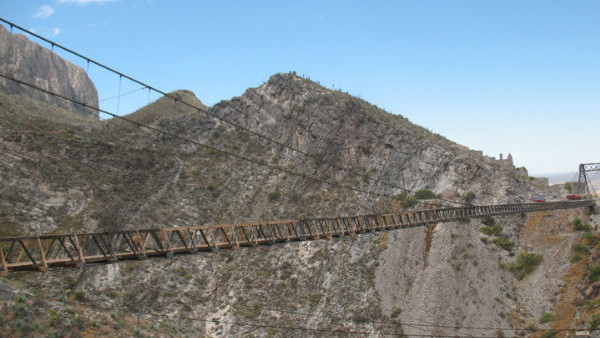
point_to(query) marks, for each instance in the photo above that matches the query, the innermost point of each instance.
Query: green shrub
(425, 194)
(569, 187)
(400, 197)
(591, 239)
(274, 196)
(546, 317)
(576, 258)
(470, 197)
(548, 334)
(579, 226)
(594, 273)
(594, 324)
(525, 264)
(496, 230)
(581, 249)
(79, 296)
(488, 220)
(504, 243)
(409, 202)
(531, 327)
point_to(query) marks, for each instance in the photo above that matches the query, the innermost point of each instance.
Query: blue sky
(499, 76)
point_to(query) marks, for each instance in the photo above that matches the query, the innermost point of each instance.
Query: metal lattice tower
(583, 183)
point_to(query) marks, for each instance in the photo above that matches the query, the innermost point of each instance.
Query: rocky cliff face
(126, 176)
(28, 61)
(64, 174)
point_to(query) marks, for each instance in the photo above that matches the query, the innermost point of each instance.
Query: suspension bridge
(79, 249)
(76, 250)
(584, 185)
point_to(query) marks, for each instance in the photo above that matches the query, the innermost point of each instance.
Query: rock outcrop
(64, 174)
(31, 63)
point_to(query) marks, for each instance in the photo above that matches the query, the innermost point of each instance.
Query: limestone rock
(31, 63)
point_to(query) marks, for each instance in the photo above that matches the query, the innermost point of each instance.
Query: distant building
(508, 161)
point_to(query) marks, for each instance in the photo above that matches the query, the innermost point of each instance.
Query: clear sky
(499, 76)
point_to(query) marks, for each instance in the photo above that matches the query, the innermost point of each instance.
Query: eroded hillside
(61, 173)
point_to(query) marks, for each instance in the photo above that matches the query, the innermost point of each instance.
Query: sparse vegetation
(126, 186)
(594, 324)
(581, 249)
(495, 230)
(525, 264)
(274, 196)
(504, 243)
(591, 239)
(470, 197)
(488, 220)
(424, 194)
(548, 334)
(546, 317)
(531, 327)
(409, 202)
(579, 226)
(594, 273)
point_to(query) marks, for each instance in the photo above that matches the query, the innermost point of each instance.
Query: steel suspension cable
(206, 146)
(200, 109)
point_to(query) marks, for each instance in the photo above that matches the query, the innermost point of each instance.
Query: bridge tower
(583, 185)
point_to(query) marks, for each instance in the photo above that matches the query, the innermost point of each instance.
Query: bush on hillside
(488, 220)
(581, 248)
(594, 273)
(546, 317)
(579, 226)
(409, 202)
(504, 243)
(425, 194)
(525, 264)
(496, 230)
(470, 197)
(274, 196)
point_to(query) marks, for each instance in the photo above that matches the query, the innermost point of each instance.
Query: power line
(141, 125)
(202, 110)
(387, 322)
(259, 325)
(121, 95)
(301, 328)
(243, 158)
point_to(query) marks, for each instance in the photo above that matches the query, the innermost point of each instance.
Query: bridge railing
(42, 252)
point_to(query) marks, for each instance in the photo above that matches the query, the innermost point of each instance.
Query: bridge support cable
(78, 250)
(236, 125)
(212, 148)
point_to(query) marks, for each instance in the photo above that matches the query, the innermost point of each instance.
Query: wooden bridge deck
(77, 250)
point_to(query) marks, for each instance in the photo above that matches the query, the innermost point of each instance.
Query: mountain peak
(166, 107)
(289, 85)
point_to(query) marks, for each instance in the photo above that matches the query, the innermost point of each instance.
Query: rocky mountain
(32, 63)
(63, 173)
(126, 176)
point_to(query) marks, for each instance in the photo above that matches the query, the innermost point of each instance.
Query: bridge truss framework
(584, 183)
(77, 250)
